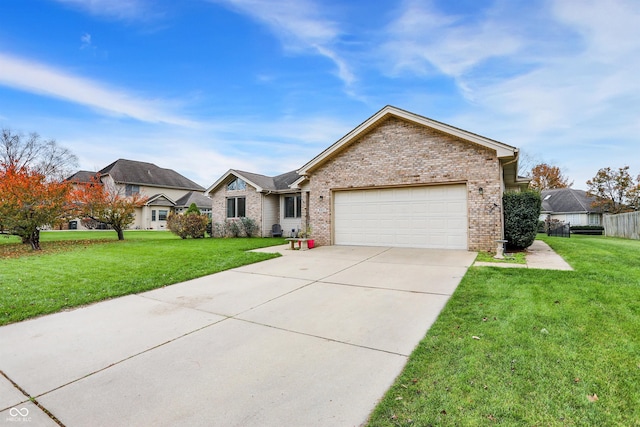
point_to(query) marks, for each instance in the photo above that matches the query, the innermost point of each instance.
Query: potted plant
(306, 234)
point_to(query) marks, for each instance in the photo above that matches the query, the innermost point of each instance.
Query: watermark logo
(18, 415)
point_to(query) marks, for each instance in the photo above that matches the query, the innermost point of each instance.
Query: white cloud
(559, 80)
(300, 26)
(118, 9)
(44, 80)
(423, 40)
(85, 41)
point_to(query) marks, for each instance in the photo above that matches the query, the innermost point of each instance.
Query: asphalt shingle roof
(199, 199)
(82, 177)
(567, 200)
(275, 183)
(142, 173)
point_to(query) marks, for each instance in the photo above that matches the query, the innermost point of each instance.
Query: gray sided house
(569, 205)
(398, 179)
(267, 200)
(167, 190)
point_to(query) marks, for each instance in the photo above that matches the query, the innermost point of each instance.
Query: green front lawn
(521, 347)
(86, 269)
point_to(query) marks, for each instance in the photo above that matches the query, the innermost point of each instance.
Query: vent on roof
(547, 197)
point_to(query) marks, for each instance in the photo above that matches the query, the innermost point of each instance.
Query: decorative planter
(310, 244)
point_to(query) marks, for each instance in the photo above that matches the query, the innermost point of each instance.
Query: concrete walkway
(539, 256)
(312, 338)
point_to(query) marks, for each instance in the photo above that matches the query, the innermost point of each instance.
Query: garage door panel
(429, 217)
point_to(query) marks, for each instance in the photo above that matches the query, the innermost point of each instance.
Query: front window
(237, 184)
(153, 215)
(236, 207)
(130, 190)
(293, 206)
(594, 219)
(162, 215)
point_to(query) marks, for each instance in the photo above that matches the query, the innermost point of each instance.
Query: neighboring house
(398, 179)
(268, 200)
(569, 205)
(166, 189)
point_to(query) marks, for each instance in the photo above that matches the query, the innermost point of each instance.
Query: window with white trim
(293, 206)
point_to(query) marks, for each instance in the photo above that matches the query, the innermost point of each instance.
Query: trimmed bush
(521, 213)
(192, 225)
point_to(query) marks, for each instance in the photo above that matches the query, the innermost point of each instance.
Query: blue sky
(202, 86)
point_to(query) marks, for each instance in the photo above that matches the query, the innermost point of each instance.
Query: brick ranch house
(398, 179)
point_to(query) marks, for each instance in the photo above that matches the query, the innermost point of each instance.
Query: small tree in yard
(28, 202)
(615, 191)
(521, 213)
(31, 192)
(193, 209)
(107, 205)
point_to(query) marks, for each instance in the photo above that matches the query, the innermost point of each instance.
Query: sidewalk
(539, 256)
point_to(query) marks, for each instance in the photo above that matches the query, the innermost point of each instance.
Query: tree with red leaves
(28, 202)
(104, 203)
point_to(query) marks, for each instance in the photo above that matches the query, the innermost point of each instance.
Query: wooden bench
(300, 241)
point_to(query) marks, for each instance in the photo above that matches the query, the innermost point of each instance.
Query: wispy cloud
(45, 80)
(423, 40)
(115, 9)
(85, 41)
(559, 78)
(300, 26)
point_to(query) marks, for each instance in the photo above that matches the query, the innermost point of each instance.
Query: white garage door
(416, 217)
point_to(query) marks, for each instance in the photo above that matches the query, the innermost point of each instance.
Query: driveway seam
(383, 288)
(138, 353)
(322, 338)
(32, 400)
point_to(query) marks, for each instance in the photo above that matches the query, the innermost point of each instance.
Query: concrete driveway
(312, 338)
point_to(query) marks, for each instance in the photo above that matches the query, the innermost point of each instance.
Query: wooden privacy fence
(622, 225)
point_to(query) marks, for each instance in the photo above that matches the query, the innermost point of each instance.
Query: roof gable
(159, 200)
(503, 151)
(142, 173)
(261, 183)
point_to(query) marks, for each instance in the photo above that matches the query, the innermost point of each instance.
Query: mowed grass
(78, 268)
(519, 347)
